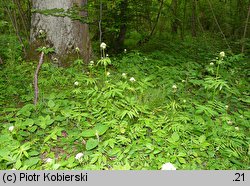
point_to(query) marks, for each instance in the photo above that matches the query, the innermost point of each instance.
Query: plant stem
(216, 77)
(36, 78)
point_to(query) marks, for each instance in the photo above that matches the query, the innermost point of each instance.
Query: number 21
(239, 177)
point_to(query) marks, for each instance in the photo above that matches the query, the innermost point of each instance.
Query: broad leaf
(91, 144)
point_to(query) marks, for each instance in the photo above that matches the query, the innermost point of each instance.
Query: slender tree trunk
(63, 33)
(146, 39)
(245, 30)
(184, 20)
(194, 18)
(123, 27)
(175, 20)
(157, 18)
(22, 16)
(13, 20)
(218, 25)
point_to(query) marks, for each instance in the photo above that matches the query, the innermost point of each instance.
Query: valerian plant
(150, 112)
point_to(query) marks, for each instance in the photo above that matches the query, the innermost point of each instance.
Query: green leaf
(91, 144)
(51, 104)
(43, 122)
(175, 137)
(4, 152)
(47, 139)
(71, 160)
(28, 122)
(26, 110)
(34, 153)
(32, 161)
(88, 133)
(202, 138)
(23, 133)
(18, 164)
(94, 159)
(182, 154)
(32, 129)
(181, 160)
(99, 129)
(150, 146)
(48, 120)
(56, 166)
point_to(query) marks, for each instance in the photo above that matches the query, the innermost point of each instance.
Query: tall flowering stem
(221, 56)
(103, 47)
(103, 55)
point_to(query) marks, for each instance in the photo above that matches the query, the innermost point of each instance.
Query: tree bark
(63, 33)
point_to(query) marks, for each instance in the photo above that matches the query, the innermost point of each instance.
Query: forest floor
(180, 104)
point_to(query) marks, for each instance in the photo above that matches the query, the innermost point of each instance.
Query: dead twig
(36, 78)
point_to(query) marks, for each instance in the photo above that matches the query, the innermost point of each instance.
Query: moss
(73, 13)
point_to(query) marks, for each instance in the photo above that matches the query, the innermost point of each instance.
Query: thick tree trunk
(63, 33)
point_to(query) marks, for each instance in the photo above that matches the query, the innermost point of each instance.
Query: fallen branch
(36, 78)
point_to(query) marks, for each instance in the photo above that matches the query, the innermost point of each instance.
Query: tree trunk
(245, 29)
(184, 20)
(62, 33)
(174, 7)
(194, 19)
(123, 27)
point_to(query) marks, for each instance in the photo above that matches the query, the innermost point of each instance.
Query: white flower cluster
(77, 49)
(48, 160)
(124, 75)
(76, 83)
(79, 156)
(174, 87)
(103, 46)
(11, 128)
(132, 79)
(91, 63)
(222, 54)
(168, 166)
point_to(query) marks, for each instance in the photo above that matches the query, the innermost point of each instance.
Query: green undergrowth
(138, 113)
